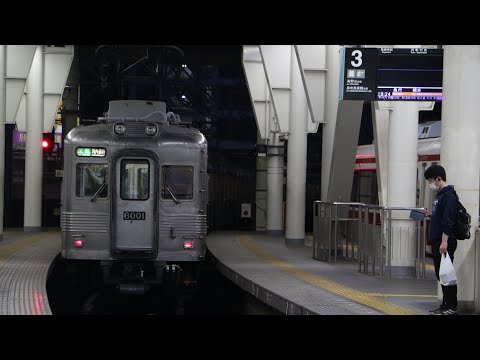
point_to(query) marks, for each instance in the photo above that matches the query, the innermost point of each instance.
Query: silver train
(134, 196)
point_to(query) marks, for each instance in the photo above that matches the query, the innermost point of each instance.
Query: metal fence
(369, 234)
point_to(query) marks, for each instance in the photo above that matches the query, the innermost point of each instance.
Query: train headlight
(188, 245)
(151, 129)
(119, 129)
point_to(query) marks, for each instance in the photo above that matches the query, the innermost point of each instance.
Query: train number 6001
(134, 215)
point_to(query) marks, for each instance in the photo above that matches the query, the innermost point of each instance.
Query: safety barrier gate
(365, 233)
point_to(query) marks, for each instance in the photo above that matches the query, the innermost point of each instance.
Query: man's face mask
(433, 186)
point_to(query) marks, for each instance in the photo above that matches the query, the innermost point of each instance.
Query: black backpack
(461, 230)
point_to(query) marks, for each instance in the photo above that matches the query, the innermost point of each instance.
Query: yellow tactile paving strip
(24, 263)
(367, 299)
(10, 249)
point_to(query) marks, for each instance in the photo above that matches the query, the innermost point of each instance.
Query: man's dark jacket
(444, 215)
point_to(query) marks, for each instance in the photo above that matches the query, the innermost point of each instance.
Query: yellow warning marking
(400, 295)
(357, 296)
(10, 249)
(429, 267)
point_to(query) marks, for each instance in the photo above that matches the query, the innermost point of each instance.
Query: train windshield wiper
(172, 195)
(97, 193)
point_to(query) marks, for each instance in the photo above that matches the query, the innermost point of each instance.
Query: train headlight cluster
(151, 129)
(119, 129)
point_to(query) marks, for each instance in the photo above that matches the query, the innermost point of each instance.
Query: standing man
(440, 232)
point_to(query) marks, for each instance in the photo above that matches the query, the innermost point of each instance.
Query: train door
(134, 207)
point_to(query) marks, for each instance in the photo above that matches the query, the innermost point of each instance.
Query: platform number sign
(388, 74)
(359, 73)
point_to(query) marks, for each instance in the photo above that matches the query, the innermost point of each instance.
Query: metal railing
(334, 230)
(365, 233)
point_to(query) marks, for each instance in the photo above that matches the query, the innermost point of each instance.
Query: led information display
(392, 74)
(409, 74)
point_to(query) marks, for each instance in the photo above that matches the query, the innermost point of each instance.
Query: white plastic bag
(447, 274)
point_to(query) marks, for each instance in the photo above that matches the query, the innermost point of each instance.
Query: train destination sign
(392, 74)
(91, 152)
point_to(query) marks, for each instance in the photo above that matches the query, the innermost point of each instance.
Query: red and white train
(365, 180)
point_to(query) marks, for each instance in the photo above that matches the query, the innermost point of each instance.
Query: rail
(365, 233)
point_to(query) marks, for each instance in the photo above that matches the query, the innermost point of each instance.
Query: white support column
(402, 181)
(19, 61)
(3, 105)
(381, 120)
(56, 66)
(331, 107)
(297, 158)
(460, 153)
(268, 128)
(312, 61)
(33, 150)
(275, 187)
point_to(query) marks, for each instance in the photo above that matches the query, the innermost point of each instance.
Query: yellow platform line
(400, 295)
(10, 249)
(357, 296)
(429, 267)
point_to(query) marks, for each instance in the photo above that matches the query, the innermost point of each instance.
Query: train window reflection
(89, 178)
(179, 179)
(134, 179)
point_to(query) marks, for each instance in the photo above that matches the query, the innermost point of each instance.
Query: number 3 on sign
(357, 58)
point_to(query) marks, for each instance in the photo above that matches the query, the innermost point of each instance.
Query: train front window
(134, 179)
(177, 182)
(90, 178)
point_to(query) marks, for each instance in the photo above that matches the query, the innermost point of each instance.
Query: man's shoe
(441, 307)
(445, 311)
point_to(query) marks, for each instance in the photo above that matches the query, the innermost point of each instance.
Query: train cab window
(90, 178)
(177, 180)
(134, 179)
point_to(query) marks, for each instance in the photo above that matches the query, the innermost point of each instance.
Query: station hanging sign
(391, 74)
(358, 74)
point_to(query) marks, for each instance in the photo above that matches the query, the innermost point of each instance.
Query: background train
(365, 187)
(134, 197)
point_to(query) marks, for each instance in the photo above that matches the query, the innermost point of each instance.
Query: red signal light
(48, 142)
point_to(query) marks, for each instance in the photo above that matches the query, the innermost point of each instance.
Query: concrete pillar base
(32, 228)
(403, 272)
(466, 307)
(275, 232)
(294, 242)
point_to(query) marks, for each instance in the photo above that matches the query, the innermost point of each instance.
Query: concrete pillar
(3, 109)
(32, 220)
(331, 106)
(297, 158)
(402, 182)
(275, 187)
(460, 152)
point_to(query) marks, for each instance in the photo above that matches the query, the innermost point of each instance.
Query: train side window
(134, 179)
(89, 179)
(179, 179)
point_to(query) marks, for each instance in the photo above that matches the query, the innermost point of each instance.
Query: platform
(290, 280)
(25, 259)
